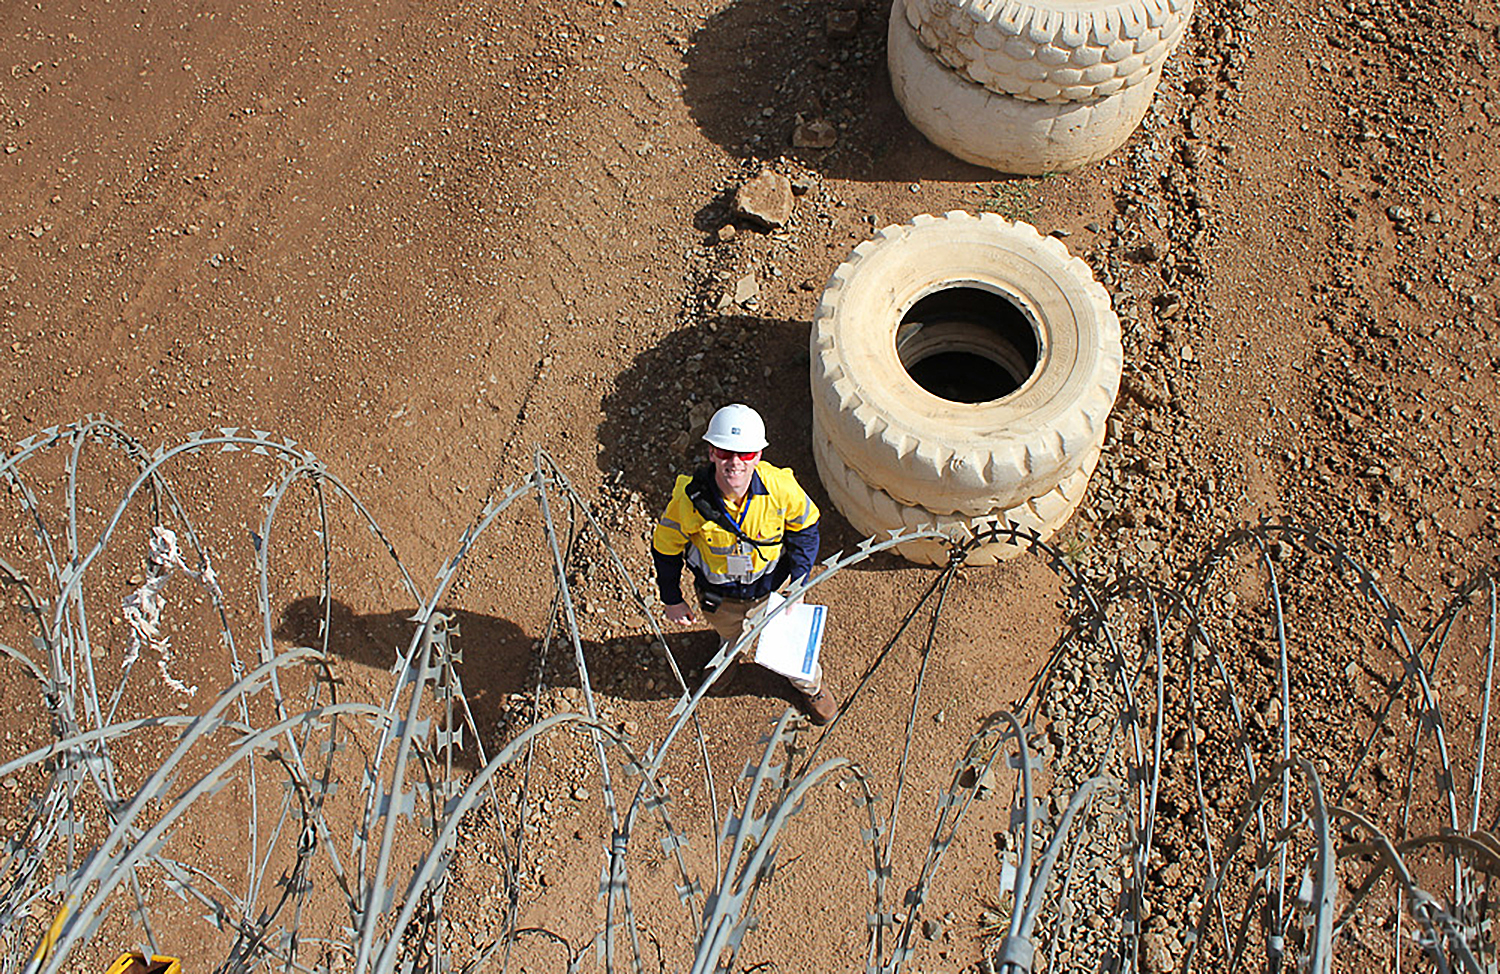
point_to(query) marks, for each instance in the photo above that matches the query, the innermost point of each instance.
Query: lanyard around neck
(739, 522)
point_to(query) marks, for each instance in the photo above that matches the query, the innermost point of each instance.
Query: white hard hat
(738, 428)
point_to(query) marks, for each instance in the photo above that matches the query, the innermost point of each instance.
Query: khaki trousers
(728, 621)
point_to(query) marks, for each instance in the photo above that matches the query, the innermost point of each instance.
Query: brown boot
(821, 707)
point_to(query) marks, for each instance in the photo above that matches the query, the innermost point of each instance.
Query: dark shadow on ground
(500, 662)
(659, 407)
(756, 68)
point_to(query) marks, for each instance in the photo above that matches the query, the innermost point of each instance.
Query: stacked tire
(963, 368)
(1030, 86)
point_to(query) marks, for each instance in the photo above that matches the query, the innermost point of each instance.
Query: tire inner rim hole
(968, 345)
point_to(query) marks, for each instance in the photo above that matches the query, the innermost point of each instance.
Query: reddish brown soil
(424, 239)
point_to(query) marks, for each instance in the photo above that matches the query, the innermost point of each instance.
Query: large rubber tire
(1051, 50)
(873, 512)
(958, 457)
(1001, 132)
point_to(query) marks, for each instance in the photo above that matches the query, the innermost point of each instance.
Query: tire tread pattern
(918, 467)
(1035, 50)
(871, 511)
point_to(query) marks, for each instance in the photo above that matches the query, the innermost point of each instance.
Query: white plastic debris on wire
(142, 608)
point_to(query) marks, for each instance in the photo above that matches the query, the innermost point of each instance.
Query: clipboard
(790, 643)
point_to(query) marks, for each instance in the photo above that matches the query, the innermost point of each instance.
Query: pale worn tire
(1002, 132)
(954, 457)
(1050, 50)
(874, 513)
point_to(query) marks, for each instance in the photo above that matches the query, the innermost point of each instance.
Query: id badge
(737, 563)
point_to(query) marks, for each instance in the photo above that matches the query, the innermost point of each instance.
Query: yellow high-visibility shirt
(775, 509)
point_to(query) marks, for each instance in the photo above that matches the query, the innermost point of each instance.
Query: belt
(710, 601)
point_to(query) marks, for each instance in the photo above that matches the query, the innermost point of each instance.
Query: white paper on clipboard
(789, 644)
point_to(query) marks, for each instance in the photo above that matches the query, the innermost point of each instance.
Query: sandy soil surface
(423, 239)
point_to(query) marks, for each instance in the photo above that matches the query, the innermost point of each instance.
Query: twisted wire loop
(1263, 764)
(1255, 769)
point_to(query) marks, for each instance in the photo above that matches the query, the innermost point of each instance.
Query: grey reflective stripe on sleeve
(800, 518)
(669, 523)
(695, 560)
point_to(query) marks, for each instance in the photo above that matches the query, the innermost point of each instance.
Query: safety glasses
(721, 455)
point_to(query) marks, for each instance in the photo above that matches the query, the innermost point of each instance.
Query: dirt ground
(423, 239)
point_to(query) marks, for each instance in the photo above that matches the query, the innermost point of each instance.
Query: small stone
(746, 290)
(801, 186)
(1144, 390)
(932, 929)
(1197, 85)
(842, 23)
(580, 793)
(1156, 953)
(726, 233)
(698, 418)
(1168, 305)
(765, 200)
(814, 133)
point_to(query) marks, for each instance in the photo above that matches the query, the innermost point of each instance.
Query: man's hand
(681, 613)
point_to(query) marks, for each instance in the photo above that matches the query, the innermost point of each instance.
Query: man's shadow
(501, 665)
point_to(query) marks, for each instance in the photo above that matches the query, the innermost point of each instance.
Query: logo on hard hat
(735, 430)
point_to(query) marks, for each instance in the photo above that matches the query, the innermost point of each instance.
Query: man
(744, 527)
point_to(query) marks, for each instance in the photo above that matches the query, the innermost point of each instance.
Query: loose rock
(765, 200)
(746, 290)
(1144, 390)
(814, 133)
(842, 23)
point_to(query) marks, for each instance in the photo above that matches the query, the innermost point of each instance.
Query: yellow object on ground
(138, 964)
